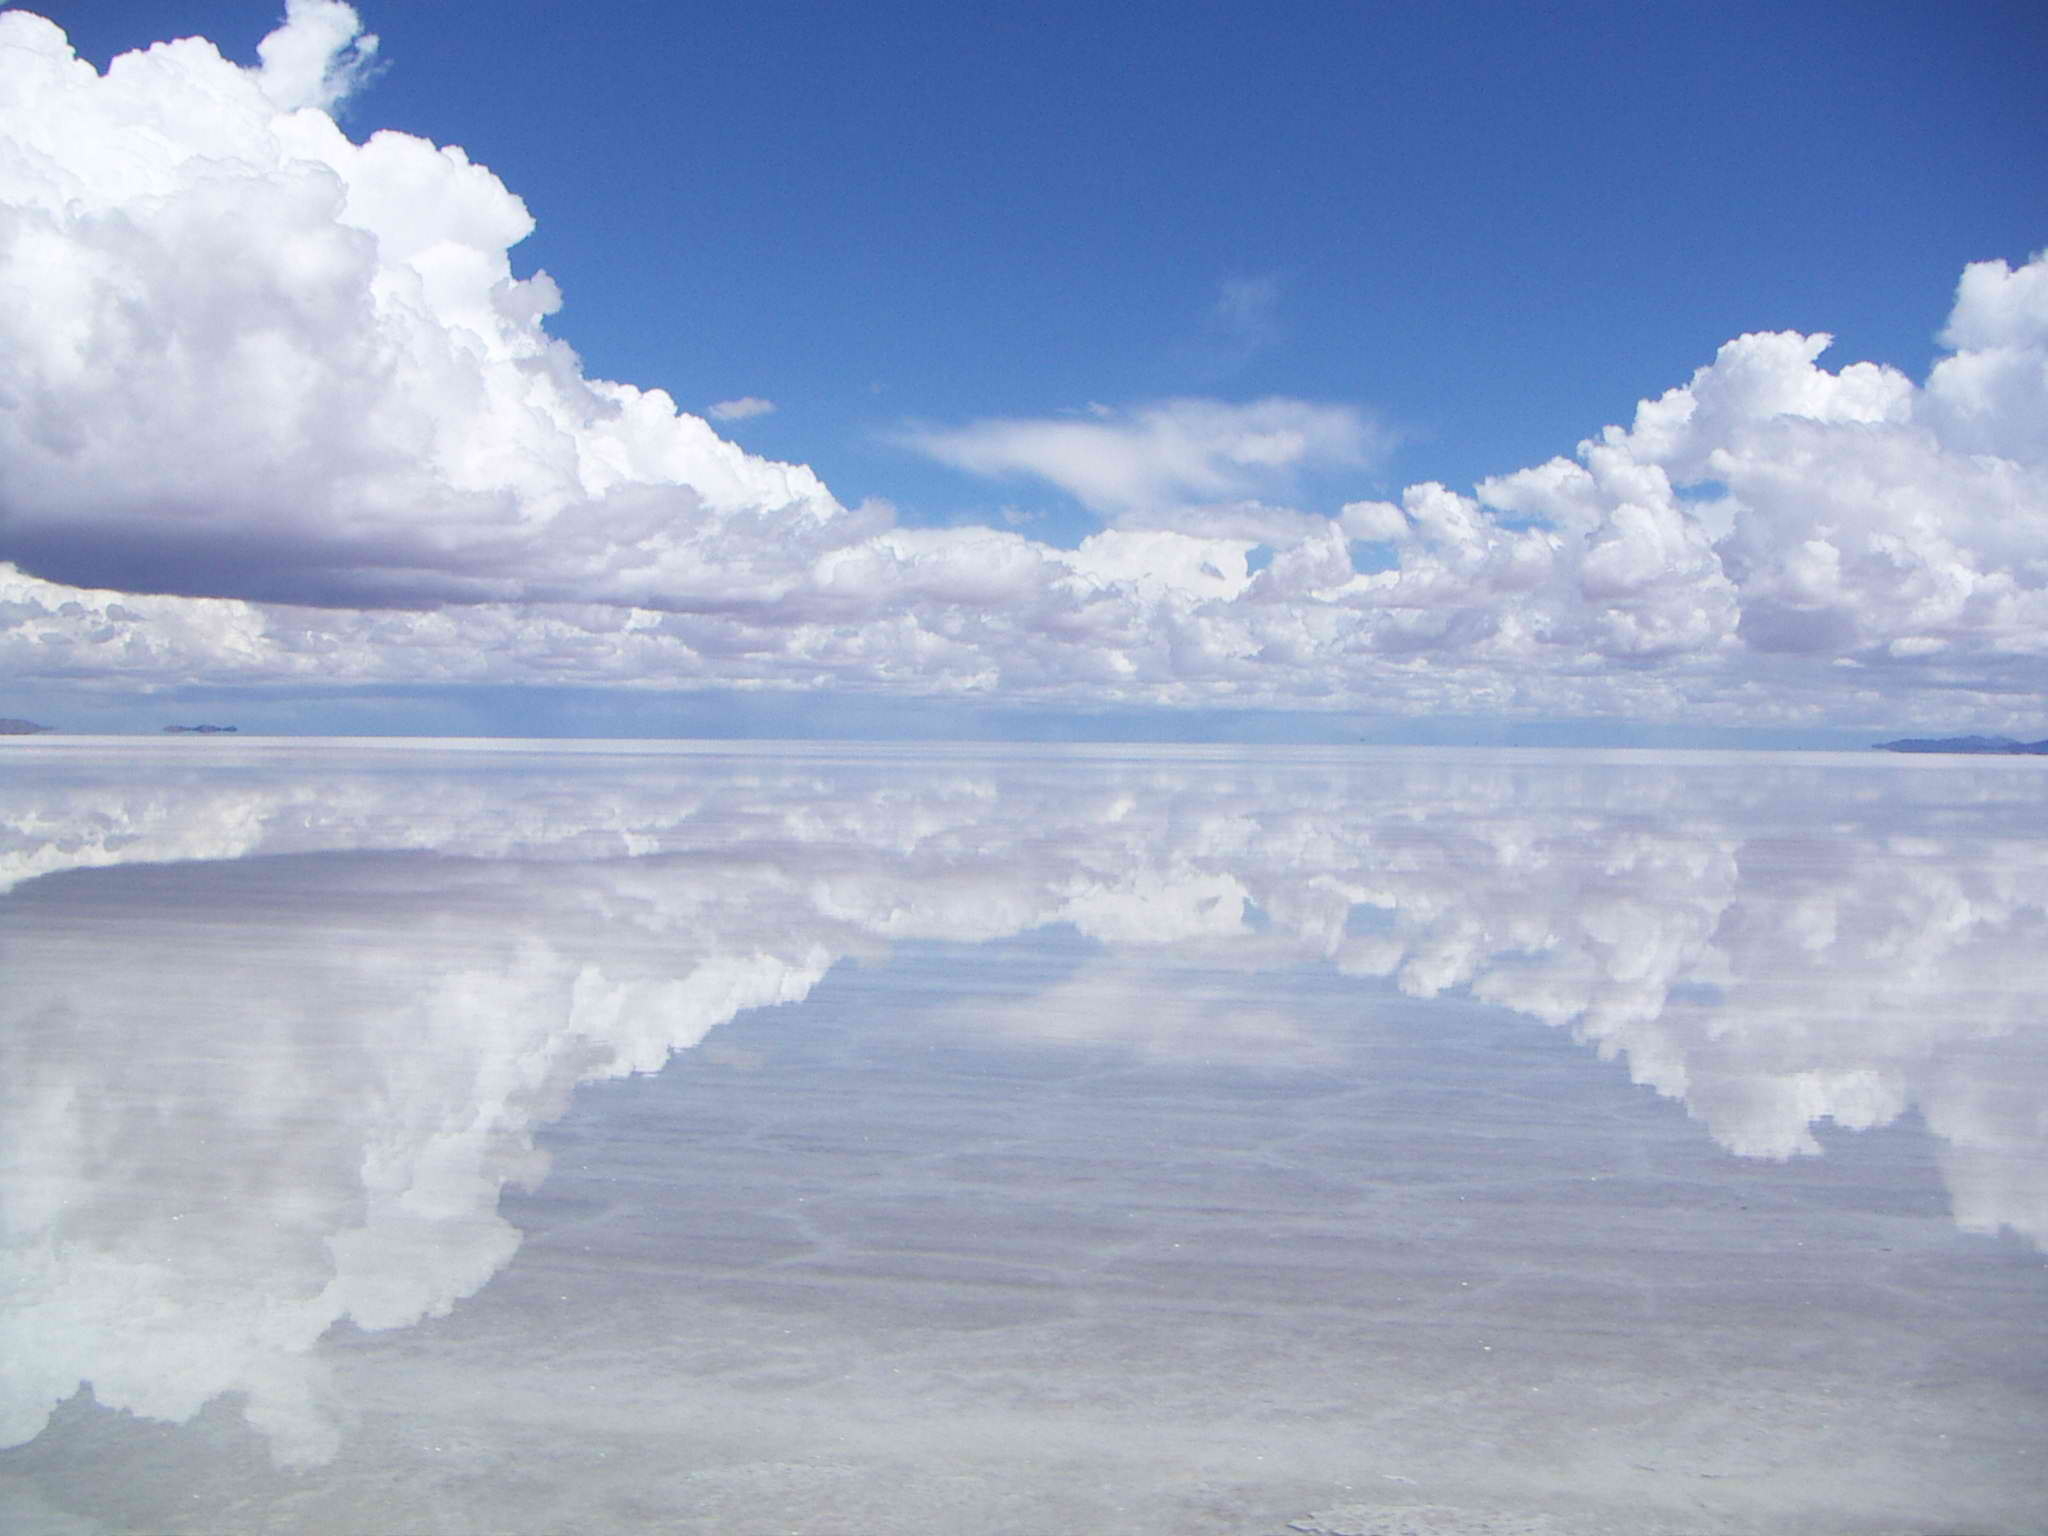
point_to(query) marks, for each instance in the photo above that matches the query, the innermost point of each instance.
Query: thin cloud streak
(743, 409)
(1165, 463)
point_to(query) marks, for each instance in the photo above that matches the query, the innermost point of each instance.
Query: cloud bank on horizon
(275, 412)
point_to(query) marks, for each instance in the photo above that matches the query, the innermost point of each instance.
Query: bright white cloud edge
(364, 411)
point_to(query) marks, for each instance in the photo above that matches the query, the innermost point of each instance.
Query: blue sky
(1496, 226)
(1481, 232)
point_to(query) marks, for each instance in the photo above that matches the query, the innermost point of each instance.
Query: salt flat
(764, 1139)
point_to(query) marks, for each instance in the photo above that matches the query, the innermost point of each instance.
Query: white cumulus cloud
(246, 356)
(317, 58)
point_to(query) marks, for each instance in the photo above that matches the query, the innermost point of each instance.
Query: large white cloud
(246, 356)
(248, 363)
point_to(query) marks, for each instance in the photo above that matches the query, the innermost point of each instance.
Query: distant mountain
(21, 728)
(2003, 745)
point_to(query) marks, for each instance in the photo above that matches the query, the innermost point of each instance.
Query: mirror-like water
(510, 1138)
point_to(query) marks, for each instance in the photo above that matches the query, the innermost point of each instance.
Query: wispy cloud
(1243, 321)
(742, 409)
(1167, 463)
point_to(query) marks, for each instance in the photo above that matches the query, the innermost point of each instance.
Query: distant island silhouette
(200, 730)
(2001, 745)
(22, 728)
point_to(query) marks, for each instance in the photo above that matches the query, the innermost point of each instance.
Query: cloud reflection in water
(280, 1028)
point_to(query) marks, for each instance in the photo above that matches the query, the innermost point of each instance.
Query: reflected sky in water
(291, 1033)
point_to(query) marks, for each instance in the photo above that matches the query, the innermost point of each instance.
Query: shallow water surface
(740, 1139)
